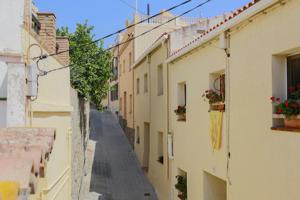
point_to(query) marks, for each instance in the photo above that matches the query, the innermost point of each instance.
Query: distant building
(125, 56)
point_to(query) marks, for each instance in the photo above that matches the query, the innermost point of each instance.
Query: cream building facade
(150, 111)
(254, 161)
(129, 51)
(253, 156)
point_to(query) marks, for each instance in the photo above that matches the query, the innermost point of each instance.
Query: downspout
(149, 93)
(227, 103)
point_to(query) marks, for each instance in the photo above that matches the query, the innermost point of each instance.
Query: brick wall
(63, 45)
(48, 31)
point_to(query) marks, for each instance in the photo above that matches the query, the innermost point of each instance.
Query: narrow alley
(116, 173)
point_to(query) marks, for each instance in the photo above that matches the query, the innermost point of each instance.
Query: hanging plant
(181, 186)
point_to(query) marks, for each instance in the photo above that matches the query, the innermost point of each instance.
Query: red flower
(272, 98)
(291, 89)
(278, 99)
(286, 104)
(279, 111)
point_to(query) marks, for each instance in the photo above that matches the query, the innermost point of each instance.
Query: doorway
(146, 146)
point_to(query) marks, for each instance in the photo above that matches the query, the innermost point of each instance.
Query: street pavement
(116, 173)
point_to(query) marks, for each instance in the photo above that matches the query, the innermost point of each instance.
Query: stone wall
(80, 137)
(129, 132)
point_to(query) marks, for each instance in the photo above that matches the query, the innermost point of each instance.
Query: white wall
(3, 80)
(3, 93)
(11, 20)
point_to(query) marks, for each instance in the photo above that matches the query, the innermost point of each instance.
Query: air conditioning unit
(170, 146)
(32, 80)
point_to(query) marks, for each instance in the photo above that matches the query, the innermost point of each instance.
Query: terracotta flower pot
(181, 117)
(292, 123)
(218, 106)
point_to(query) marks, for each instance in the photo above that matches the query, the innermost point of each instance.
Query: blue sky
(110, 15)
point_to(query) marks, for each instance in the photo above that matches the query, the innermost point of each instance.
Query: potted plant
(181, 186)
(181, 113)
(290, 108)
(215, 100)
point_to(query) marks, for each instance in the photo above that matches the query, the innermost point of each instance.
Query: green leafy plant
(213, 96)
(181, 186)
(180, 110)
(289, 108)
(91, 64)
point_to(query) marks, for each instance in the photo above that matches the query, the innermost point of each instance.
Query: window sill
(285, 129)
(181, 120)
(280, 116)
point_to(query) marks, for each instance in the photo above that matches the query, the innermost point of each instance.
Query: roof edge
(233, 20)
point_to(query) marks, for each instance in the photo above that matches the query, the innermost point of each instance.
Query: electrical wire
(118, 31)
(133, 38)
(131, 6)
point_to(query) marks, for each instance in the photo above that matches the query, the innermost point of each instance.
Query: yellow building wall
(141, 108)
(159, 173)
(152, 108)
(264, 163)
(52, 108)
(193, 152)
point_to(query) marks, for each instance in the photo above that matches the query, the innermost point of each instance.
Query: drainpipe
(227, 100)
(149, 91)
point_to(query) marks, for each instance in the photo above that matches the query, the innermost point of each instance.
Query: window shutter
(222, 85)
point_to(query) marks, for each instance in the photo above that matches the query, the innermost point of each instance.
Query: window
(114, 92)
(35, 25)
(217, 82)
(160, 147)
(123, 66)
(130, 60)
(214, 187)
(293, 73)
(145, 83)
(285, 81)
(182, 94)
(120, 70)
(131, 103)
(217, 86)
(181, 102)
(138, 86)
(120, 104)
(138, 135)
(125, 105)
(160, 86)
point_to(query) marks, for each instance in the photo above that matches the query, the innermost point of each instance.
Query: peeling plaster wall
(11, 20)
(16, 88)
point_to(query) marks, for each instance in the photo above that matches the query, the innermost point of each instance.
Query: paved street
(116, 173)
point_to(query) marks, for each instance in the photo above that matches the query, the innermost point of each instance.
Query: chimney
(48, 31)
(62, 44)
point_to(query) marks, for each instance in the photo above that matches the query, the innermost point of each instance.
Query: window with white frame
(160, 147)
(138, 86)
